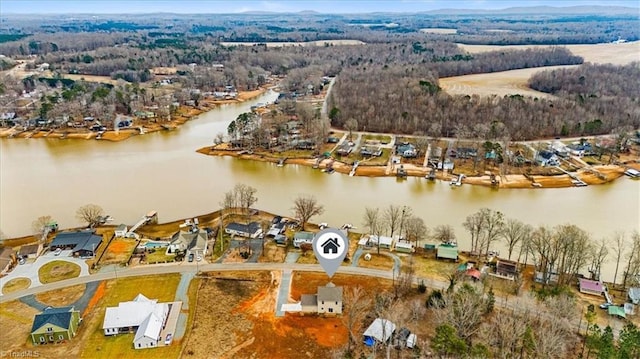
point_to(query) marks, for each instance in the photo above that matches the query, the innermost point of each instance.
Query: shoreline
(607, 173)
(185, 113)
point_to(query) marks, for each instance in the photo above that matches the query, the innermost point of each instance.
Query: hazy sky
(233, 6)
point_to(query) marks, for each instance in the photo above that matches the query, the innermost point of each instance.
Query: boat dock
(457, 181)
(575, 180)
(353, 170)
(281, 162)
(147, 218)
(633, 173)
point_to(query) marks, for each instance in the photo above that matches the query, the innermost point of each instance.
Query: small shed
(280, 240)
(30, 251)
(447, 251)
(592, 287)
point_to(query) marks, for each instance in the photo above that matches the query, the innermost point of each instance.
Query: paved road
(166, 268)
(30, 269)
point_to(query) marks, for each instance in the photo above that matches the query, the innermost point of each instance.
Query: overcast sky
(233, 6)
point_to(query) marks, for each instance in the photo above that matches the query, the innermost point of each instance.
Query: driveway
(256, 249)
(30, 269)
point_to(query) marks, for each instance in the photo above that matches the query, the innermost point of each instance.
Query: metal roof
(60, 317)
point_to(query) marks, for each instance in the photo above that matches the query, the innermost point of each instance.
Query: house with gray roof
(634, 295)
(192, 241)
(82, 243)
(55, 325)
(330, 299)
(250, 230)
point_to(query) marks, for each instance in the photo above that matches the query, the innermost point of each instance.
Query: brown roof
(4, 263)
(330, 293)
(28, 249)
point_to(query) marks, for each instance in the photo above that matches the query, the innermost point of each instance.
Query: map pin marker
(330, 246)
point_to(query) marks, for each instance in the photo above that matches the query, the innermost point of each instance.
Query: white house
(194, 242)
(143, 315)
(121, 231)
(385, 242)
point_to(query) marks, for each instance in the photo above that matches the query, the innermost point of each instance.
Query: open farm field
(617, 54)
(496, 83)
(516, 81)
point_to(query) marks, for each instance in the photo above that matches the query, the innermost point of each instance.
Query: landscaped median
(15, 285)
(55, 271)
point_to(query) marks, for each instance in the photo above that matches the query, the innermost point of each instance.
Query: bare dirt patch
(61, 297)
(15, 285)
(118, 251)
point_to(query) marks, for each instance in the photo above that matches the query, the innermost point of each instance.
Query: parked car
(605, 305)
(168, 340)
(190, 257)
(198, 258)
(22, 260)
(57, 252)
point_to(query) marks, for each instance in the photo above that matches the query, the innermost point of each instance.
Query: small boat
(633, 173)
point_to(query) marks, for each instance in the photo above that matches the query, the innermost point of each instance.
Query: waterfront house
(344, 149)
(406, 150)
(276, 228)
(404, 247)
(384, 241)
(506, 269)
(380, 331)
(280, 240)
(588, 286)
(82, 243)
(55, 325)
(302, 237)
(193, 241)
(447, 251)
(250, 230)
(546, 158)
(371, 151)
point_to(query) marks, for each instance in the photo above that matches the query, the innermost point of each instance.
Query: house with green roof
(55, 325)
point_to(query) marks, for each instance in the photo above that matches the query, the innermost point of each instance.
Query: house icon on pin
(330, 246)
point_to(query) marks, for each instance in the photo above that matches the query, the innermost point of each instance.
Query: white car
(198, 258)
(57, 252)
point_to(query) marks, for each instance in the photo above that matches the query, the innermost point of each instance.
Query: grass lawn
(119, 251)
(307, 258)
(378, 261)
(61, 297)
(97, 345)
(58, 270)
(160, 256)
(220, 247)
(15, 285)
(430, 267)
(374, 137)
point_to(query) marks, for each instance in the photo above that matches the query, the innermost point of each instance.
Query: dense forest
(403, 101)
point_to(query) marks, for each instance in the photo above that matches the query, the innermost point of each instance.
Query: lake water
(161, 171)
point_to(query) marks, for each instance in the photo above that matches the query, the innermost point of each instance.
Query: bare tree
(373, 222)
(493, 225)
(41, 225)
(392, 216)
(632, 270)
(619, 241)
(474, 223)
(90, 213)
(305, 207)
(227, 203)
(597, 254)
(356, 303)
(444, 233)
(245, 196)
(415, 230)
(464, 310)
(515, 232)
(351, 125)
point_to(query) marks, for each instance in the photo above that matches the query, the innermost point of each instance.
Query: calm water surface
(162, 171)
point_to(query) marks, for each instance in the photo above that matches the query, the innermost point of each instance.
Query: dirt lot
(118, 251)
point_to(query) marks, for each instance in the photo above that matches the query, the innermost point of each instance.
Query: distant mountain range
(551, 10)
